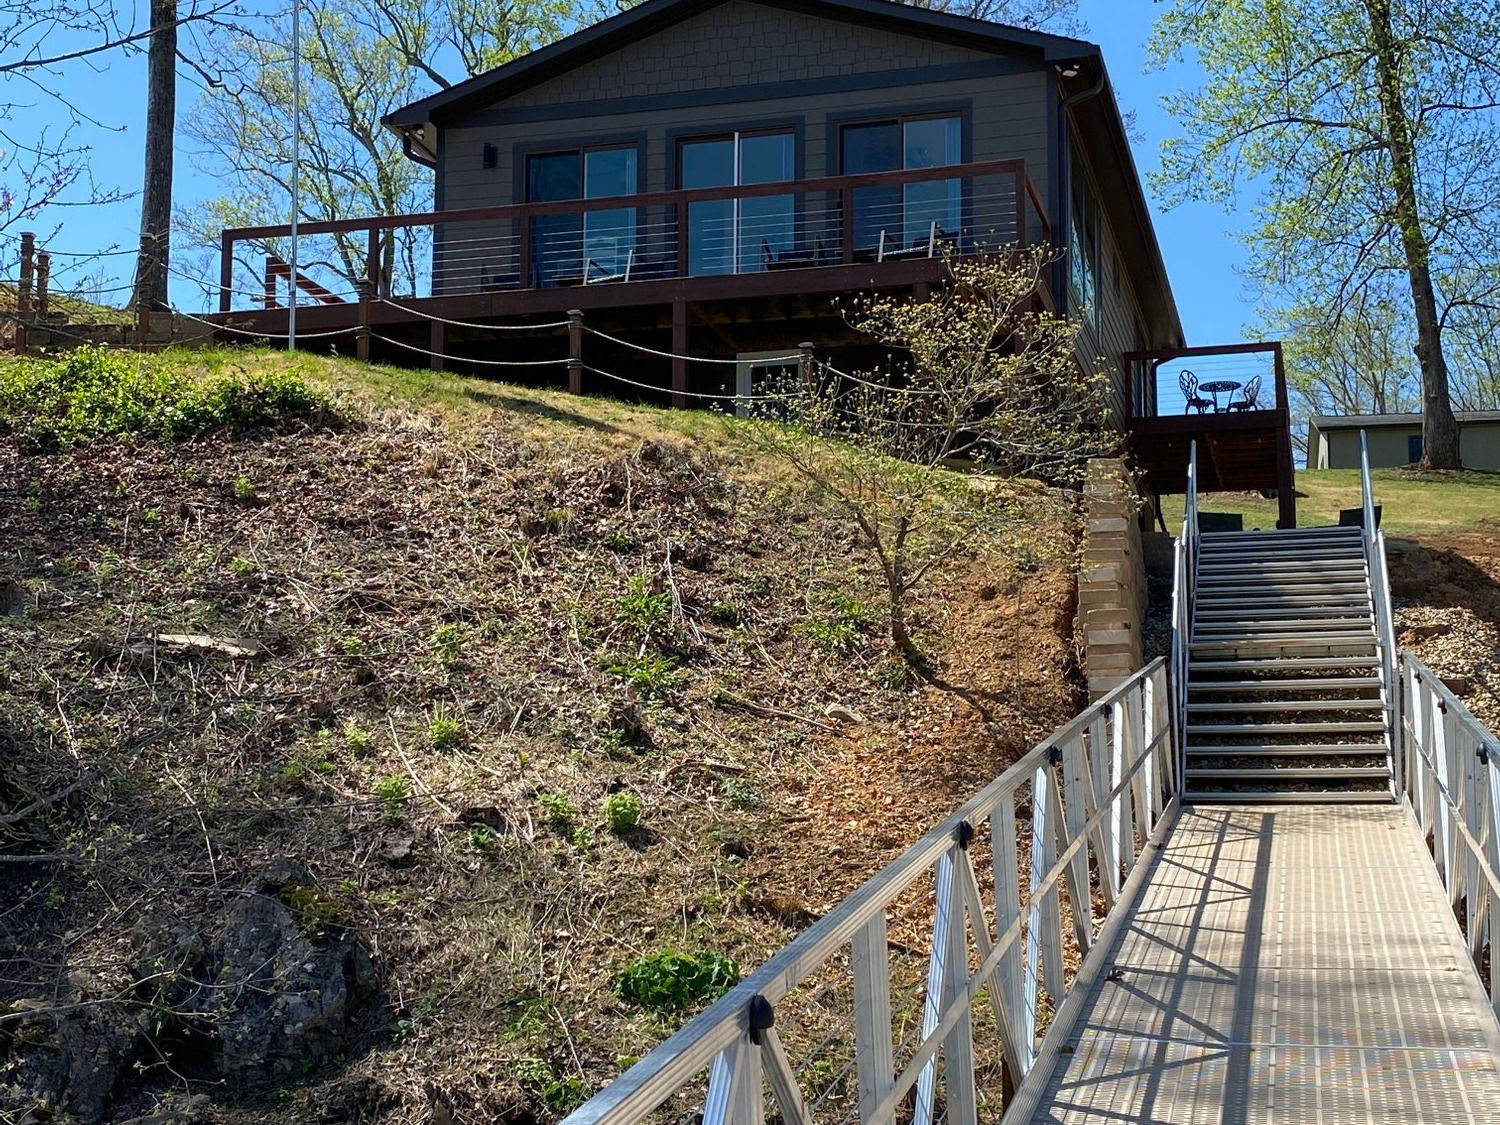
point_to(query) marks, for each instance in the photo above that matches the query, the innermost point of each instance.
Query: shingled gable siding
(791, 68)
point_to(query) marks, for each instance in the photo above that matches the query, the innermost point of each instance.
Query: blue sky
(1198, 242)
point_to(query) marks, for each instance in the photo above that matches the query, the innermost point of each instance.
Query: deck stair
(1285, 693)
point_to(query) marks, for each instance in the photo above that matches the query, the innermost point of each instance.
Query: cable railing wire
(468, 359)
(473, 324)
(688, 358)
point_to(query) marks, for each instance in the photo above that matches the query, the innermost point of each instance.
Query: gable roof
(1095, 112)
(654, 16)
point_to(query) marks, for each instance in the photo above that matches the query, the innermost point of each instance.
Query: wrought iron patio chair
(1187, 382)
(1248, 396)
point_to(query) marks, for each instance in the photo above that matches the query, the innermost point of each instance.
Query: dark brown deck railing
(1238, 448)
(835, 220)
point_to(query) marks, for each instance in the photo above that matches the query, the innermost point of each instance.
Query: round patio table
(1218, 387)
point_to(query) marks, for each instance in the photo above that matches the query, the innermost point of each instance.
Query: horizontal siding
(1119, 320)
(1009, 120)
(739, 44)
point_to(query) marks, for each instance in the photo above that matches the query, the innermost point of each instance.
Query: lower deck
(1285, 964)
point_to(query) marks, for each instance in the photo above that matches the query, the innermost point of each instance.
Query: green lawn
(1413, 503)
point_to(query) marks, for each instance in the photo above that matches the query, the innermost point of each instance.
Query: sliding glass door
(904, 213)
(567, 248)
(739, 235)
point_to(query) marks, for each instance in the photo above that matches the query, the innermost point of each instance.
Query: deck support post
(23, 290)
(807, 367)
(1286, 481)
(226, 271)
(575, 351)
(679, 351)
(369, 290)
(438, 345)
(362, 337)
(43, 274)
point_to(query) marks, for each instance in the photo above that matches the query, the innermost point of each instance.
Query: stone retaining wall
(1112, 582)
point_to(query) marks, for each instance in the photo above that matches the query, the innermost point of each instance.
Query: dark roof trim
(1374, 421)
(658, 15)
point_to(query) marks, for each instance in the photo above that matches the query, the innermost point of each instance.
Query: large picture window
(739, 235)
(565, 248)
(904, 211)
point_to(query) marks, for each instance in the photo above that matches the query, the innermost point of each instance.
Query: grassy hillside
(1414, 503)
(534, 690)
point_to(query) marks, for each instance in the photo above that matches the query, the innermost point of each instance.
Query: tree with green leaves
(361, 60)
(1365, 130)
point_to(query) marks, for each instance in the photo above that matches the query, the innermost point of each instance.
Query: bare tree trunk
(156, 194)
(1439, 427)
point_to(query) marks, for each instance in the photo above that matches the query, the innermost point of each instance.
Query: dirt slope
(416, 657)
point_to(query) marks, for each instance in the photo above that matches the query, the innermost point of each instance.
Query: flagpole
(291, 313)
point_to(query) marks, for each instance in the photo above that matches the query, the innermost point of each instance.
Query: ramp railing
(1385, 624)
(1452, 790)
(931, 992)
(1185, 572)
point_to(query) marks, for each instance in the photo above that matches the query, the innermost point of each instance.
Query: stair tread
(1342, 725)
(1288, 750)
(1285, 662)
(1332, 773)
(1288, 797)
(1315, 683)
(1288, 705)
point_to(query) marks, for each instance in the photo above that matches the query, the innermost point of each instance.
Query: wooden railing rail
(1028, 208)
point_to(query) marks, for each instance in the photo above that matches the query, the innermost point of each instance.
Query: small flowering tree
(982, 378)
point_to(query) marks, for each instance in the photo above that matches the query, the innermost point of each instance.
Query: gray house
(1396, 439)
(709, 177)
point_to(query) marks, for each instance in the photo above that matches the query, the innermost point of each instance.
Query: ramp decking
(1286, 964)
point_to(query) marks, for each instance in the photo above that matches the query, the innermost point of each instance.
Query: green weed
(651, 674)
(647, 613)
(740, 794)
(559, 811)
(357, 740)
(447, 642)
(670, 982)
(393, 793)
(622, 812)
(444, 733)
(838, 631)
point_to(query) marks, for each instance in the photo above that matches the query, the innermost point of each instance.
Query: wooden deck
(1239, 451)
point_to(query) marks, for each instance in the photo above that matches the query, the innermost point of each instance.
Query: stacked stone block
(1112, 581)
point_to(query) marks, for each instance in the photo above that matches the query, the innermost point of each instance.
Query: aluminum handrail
(1452, 792)
(1184, 592)
(1385, 625)
(1096, 790)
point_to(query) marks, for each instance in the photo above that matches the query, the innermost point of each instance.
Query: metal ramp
(1284, 964)
(1092, 939)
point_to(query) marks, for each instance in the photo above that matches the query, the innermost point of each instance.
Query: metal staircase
(1284, 692)
(1284, 653)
